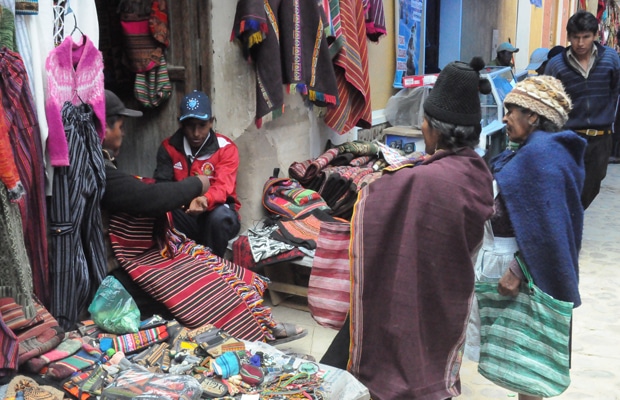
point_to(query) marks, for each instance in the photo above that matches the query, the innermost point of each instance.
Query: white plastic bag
(405, 107)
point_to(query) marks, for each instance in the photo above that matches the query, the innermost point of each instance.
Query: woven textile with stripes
(195, 285)
(329, 288)
(524, 340)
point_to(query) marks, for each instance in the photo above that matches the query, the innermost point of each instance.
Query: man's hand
(509, 284)
(197, 206)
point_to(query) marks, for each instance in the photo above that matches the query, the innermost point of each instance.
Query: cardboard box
(412, 81)
(404, 138)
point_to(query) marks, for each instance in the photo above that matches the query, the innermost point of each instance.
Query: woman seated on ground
(538, 208)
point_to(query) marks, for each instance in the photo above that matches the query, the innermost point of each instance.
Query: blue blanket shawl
(541, 186)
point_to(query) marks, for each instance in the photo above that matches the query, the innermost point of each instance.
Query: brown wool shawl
(414, 233)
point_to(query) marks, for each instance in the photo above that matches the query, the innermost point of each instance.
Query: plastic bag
(405, 107)
(113, 309)
(137, 384)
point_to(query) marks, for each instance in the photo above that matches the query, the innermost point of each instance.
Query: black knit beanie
(454, 98)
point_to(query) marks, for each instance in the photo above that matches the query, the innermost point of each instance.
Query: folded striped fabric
(329, 288)
(132, 342)
(84, 358)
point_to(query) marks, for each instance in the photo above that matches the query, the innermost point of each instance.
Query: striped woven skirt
(197, 286)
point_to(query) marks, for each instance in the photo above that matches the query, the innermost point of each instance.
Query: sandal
(285, 332)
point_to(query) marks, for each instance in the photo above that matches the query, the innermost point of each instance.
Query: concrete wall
(381, 62)
(479, 18)
(296, 136)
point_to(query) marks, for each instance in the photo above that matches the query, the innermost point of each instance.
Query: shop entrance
(431, 54)
(189, 58)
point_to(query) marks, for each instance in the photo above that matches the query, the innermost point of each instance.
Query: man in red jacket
(196, 149)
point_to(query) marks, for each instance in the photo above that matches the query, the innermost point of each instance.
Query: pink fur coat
(75, 74)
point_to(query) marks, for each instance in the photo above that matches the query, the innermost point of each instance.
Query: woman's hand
(197, 206)
(509, 284)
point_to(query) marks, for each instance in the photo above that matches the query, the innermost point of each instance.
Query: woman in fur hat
(538, 211)
(414, 232)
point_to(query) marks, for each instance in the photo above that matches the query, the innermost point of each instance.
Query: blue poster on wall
(408, 50)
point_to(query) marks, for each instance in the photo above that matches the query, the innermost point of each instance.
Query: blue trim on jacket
(594, 99)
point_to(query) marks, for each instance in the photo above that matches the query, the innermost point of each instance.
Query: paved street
(596, 332)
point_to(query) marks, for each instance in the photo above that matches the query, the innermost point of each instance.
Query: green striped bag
(524, 339)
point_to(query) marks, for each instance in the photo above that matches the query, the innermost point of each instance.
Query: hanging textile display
(142, 50)
(7, 29)
(286, 42)
(15, 275)
(154, 87)
(607, 14)
(351, 66)
(75, 74)
(375, 19)
(23, 131)
(8, 170)
(77, 247)
(145, 27)
(409, 43)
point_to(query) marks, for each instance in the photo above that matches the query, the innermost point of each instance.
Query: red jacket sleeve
(224, 181)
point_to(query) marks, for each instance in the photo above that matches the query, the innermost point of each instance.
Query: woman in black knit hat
(414, 232)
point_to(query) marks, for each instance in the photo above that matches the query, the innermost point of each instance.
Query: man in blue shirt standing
(590, 74)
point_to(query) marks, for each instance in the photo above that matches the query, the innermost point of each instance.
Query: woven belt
(593, 132)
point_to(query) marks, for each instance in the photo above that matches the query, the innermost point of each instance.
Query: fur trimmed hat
(543, 95)
(455, 96)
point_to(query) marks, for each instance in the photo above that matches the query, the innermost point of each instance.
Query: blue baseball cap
(196, 105)
(506, 46)
(538, 57)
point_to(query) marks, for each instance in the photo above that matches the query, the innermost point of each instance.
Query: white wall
(524, 14)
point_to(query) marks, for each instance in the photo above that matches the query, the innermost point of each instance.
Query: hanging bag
(524, 339)
(152, 88)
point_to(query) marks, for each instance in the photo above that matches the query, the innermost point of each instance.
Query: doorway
(431, 51)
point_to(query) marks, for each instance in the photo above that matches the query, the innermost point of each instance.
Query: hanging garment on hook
(7, 29)
(158, 22)
(75, 74)
(152, 88)
(143, 52)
